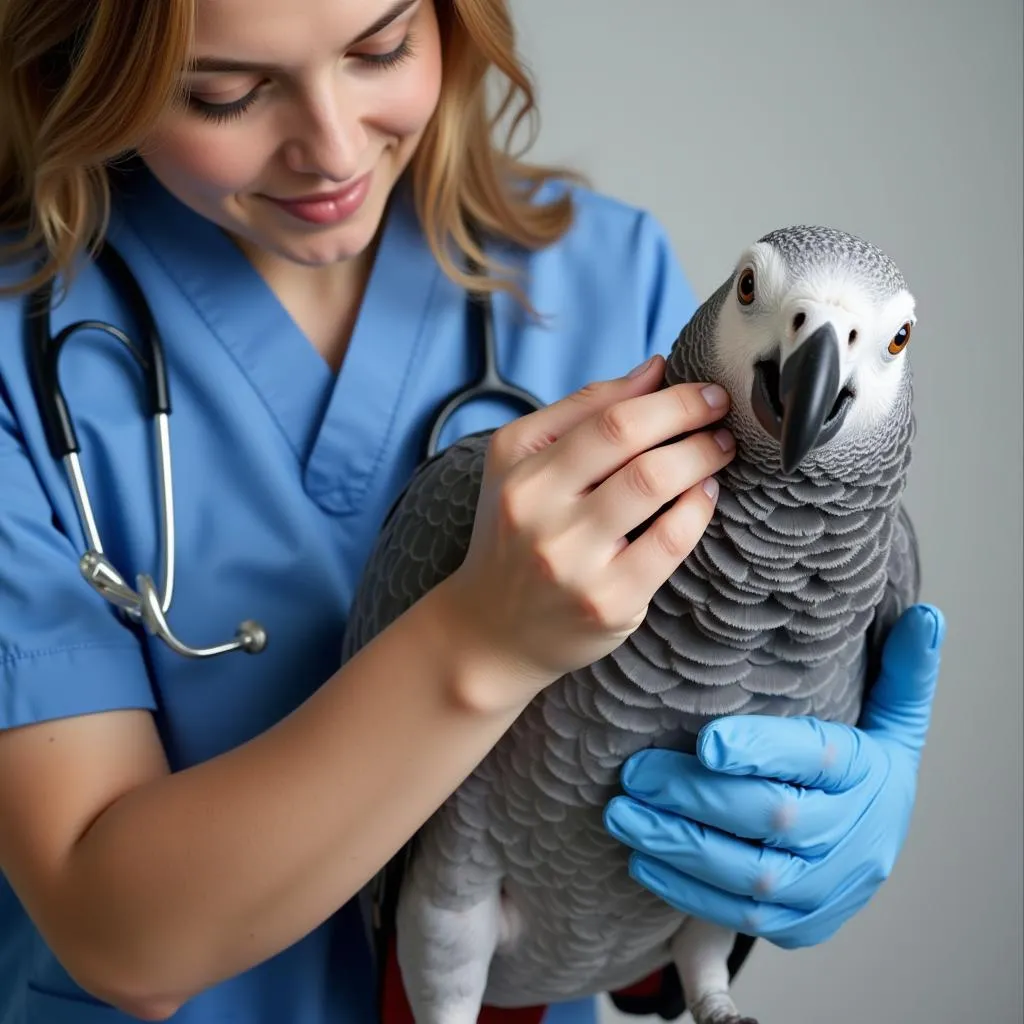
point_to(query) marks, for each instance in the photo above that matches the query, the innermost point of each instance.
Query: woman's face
(301, 116)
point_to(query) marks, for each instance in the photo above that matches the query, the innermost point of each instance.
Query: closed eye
(222, 112)
(385, 61)
(219, 112)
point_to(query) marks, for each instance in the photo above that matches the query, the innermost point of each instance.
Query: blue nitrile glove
(828, 805)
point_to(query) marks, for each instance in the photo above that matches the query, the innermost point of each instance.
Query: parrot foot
(718, 1008)
(701, 950)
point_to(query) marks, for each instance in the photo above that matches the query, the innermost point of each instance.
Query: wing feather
(423, 539)
(903, 588)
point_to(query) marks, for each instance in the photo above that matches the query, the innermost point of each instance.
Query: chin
(320, 248)
(320, 252)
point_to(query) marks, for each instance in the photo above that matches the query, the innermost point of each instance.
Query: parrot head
(809, 336)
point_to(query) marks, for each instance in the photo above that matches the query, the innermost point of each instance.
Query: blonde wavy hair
(82, 82)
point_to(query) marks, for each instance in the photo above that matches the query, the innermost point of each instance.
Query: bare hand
(551, 581)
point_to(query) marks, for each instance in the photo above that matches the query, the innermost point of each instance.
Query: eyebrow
(227, 64)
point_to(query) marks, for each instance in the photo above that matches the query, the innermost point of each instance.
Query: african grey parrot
(515, 893)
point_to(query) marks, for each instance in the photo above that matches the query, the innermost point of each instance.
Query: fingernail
(725, 440)
(715, 395)
(711, 487)
(637, 371)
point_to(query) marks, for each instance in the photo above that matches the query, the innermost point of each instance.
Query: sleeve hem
(74, 680)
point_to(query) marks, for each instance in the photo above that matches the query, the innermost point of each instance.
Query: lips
(326, 207)
(318, 197)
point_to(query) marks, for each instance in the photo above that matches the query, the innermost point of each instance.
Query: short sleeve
(670, 299)
(63, 651)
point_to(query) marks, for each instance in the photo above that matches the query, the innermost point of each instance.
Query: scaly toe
(707, 1012)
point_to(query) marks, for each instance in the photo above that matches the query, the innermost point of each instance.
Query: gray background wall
(900, 121)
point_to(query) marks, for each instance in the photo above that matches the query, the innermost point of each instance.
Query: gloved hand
(828, 805)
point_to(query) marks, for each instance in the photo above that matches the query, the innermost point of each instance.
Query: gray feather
(781, 609)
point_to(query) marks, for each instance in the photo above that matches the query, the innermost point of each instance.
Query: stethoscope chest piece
(146, 604)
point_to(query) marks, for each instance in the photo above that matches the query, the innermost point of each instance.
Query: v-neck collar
(395, 318)
(338, 425)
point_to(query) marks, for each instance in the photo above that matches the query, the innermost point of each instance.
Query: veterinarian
(293, 196)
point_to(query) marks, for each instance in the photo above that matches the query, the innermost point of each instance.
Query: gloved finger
(791, 931)
(782, 925)
(690, 896)
(805, 821)
(804, 751)
(722, 861)
(899, 704)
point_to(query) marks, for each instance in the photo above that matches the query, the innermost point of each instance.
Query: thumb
(537, 430)
(900, 703)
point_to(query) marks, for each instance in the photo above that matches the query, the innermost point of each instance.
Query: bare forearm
(199, 875)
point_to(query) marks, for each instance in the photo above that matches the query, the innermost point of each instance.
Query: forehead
(809, 251)
(274, 28)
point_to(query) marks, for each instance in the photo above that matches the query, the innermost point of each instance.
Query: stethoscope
(148, 604)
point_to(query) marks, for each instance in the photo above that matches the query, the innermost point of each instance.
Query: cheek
(202, 157)
(409, 100)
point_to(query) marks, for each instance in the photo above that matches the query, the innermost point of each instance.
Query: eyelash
(222, 112)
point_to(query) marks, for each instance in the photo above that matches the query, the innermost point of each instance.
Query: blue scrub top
(283, 472)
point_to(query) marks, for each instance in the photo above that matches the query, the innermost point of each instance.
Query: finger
(785, 926)
(804, 751)
(805, 821)
(538, 430)
(720, 860)
(650, 481)
(604, 442)
(899, 704)
(651, 558)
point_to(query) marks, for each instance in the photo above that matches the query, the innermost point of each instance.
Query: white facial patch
(787, 309)
(747, 334)
(874, 371)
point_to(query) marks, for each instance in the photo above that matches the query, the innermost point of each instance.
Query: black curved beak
(808, 387)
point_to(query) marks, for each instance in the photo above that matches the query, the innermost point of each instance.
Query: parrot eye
(745, 287)
(900, 340)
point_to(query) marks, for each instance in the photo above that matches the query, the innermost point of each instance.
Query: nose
(328, 140)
